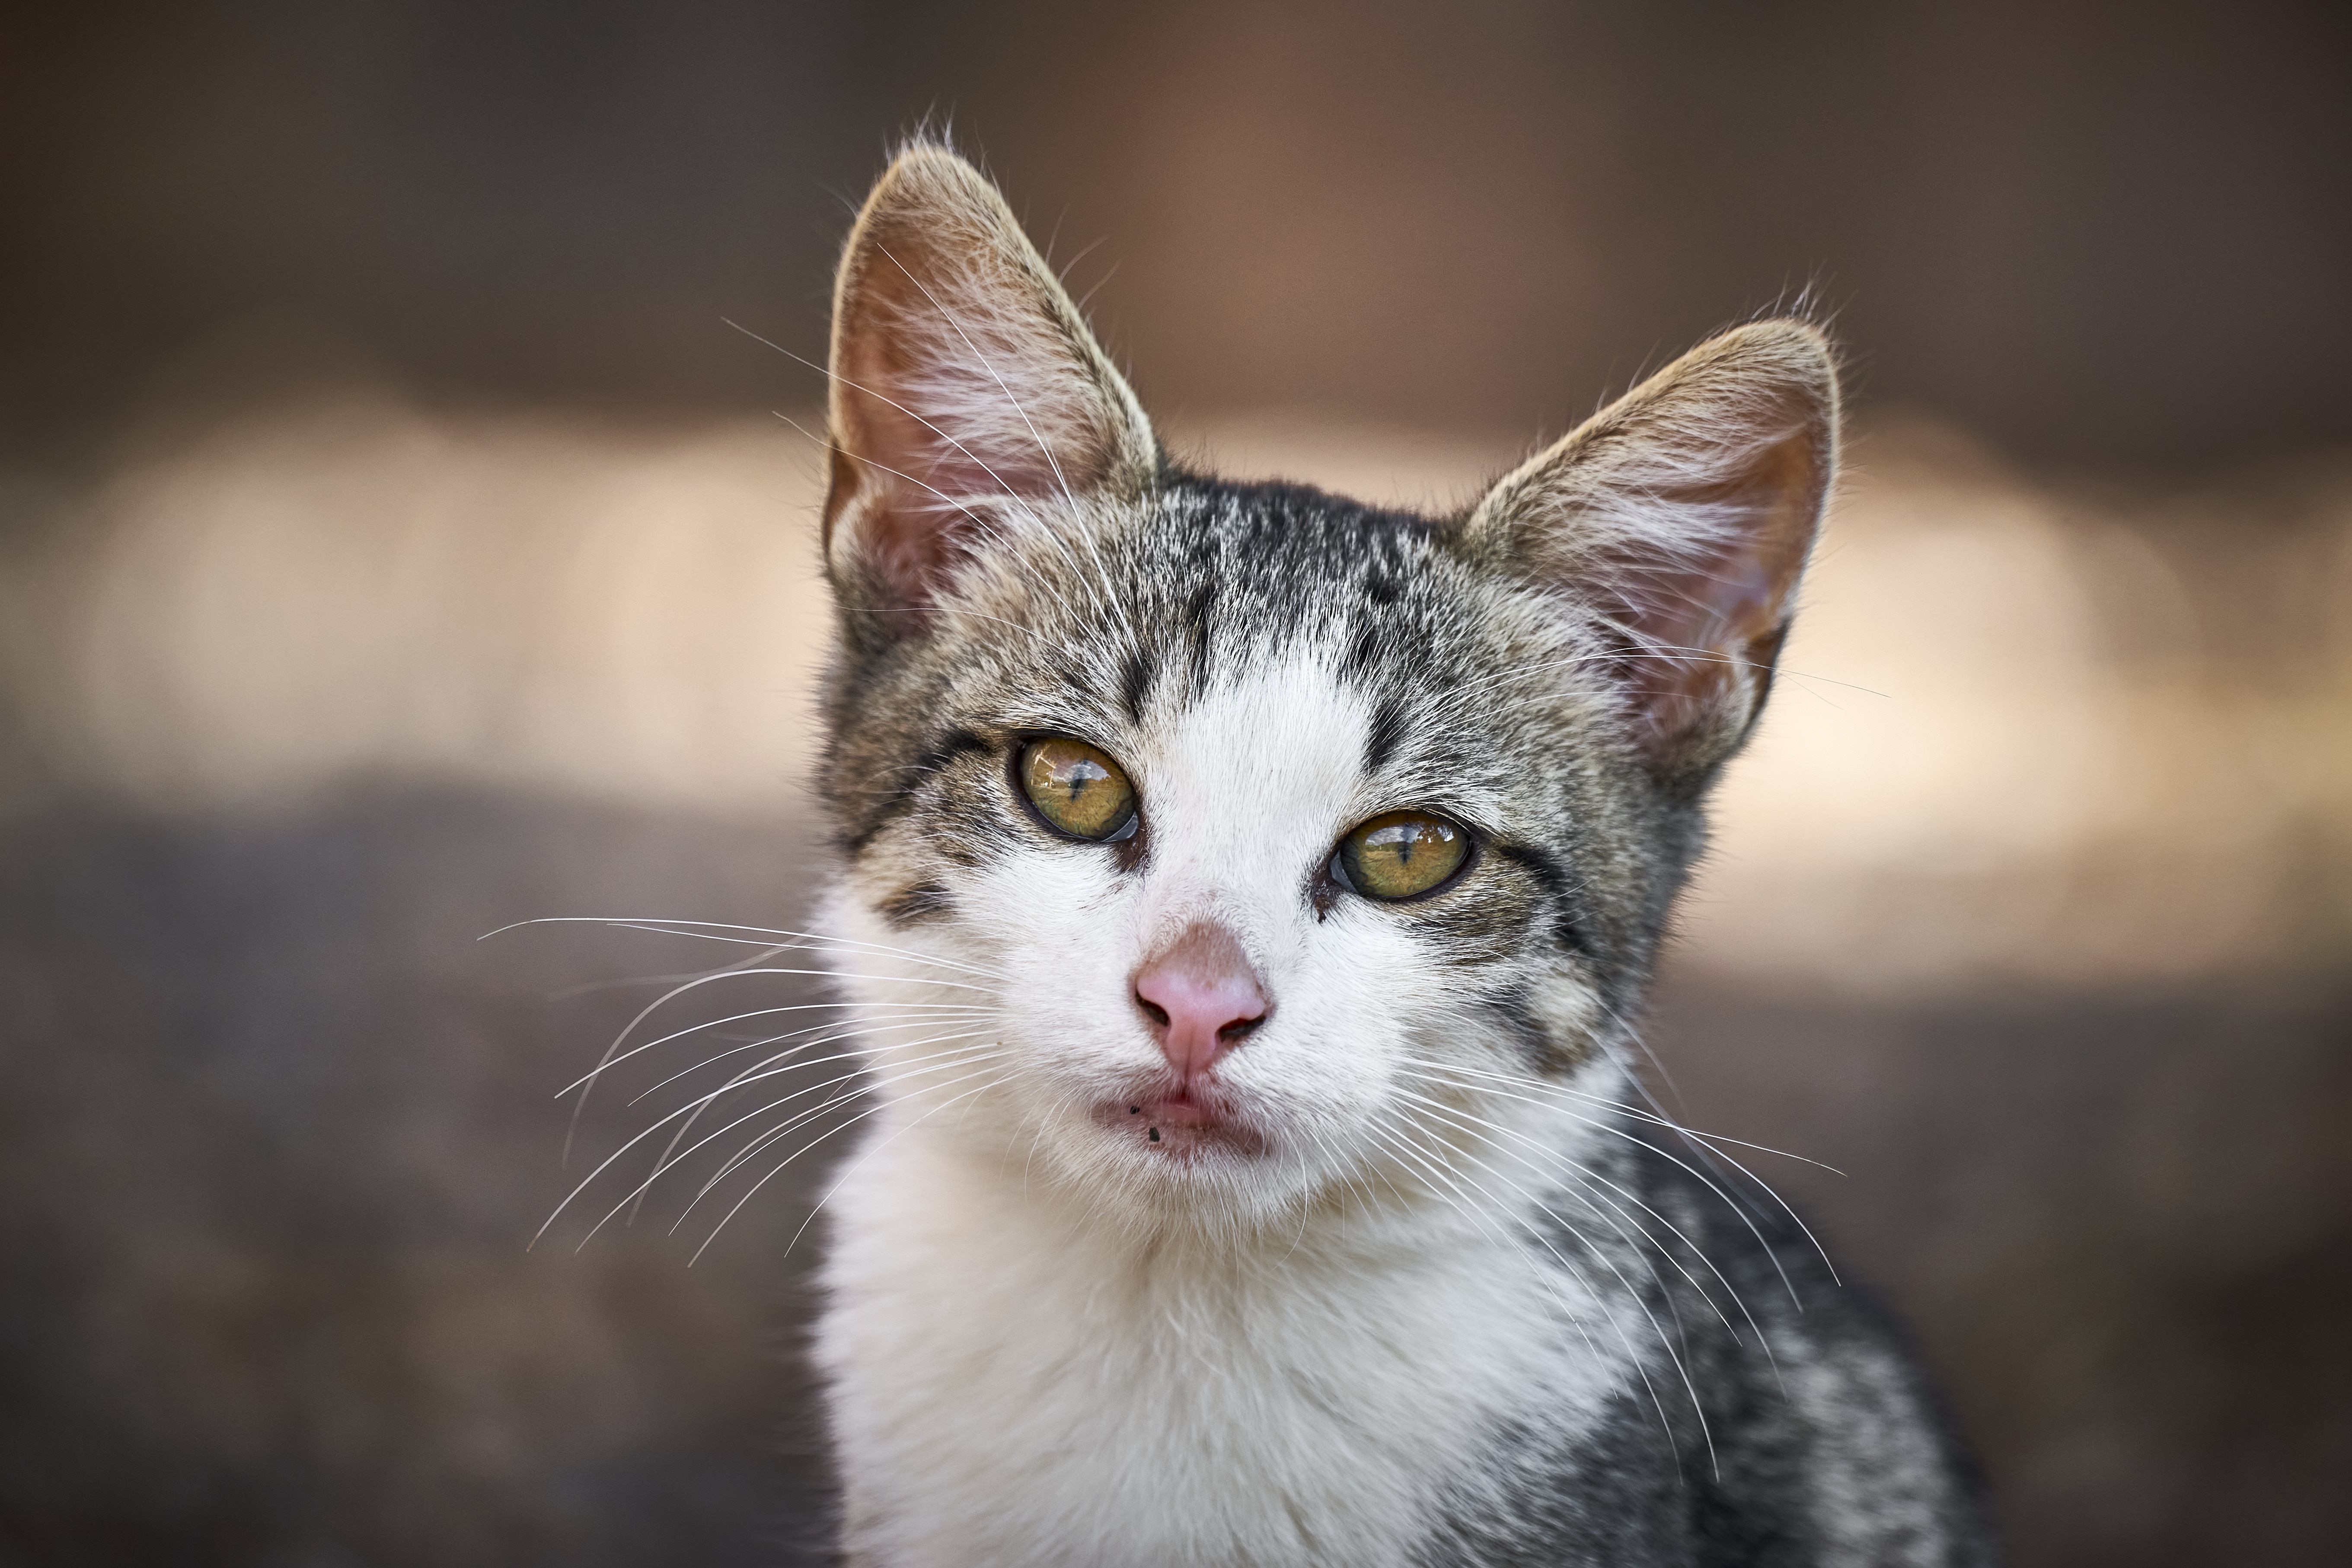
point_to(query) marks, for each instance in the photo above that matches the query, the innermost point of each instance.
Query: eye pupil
(1076, 789)
(1403, 854)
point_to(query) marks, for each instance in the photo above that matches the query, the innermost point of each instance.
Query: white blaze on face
(1245, 793)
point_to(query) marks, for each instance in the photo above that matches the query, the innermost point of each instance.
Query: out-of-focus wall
(2093, 231)
(396, 543)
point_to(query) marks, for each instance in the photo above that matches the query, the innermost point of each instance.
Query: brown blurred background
(394, 544)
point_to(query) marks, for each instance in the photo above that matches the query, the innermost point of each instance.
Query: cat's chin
(1181, 1129)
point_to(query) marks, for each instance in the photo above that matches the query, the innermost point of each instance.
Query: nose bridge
(1235, 863)
(1243, 792)
(1207, 953)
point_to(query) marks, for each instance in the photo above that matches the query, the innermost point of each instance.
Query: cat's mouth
(1182, 1124)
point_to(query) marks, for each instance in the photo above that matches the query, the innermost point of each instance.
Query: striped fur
(1449, 1294)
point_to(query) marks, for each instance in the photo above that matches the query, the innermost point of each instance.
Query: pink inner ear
(954, 381)
(916, 530)
(1705, 629)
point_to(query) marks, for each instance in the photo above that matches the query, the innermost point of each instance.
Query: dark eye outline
(1336, 868)
(1019, 754)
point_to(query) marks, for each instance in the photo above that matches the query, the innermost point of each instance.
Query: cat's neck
(1341, 1371)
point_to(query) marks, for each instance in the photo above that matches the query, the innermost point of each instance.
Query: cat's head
(1212, 842)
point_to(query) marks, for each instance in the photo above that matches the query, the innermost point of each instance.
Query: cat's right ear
(967, 396)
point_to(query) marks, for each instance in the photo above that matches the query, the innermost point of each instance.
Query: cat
(1247, 894)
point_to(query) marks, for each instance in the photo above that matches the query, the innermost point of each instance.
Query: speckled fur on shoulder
(1414, 1279)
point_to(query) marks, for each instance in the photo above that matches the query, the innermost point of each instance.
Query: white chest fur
(1012, 1385)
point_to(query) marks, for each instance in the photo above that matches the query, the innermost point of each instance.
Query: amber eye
(1077, 790)
(1403, 854)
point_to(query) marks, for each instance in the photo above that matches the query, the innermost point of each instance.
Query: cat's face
(1216, 848)
(1278, 737)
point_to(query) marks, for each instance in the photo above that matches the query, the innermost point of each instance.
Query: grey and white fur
(1400, 1267)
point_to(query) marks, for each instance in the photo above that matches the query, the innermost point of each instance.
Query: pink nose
(1202, 999)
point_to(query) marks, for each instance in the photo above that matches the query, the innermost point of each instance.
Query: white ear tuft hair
(963, 379)
(1681, 517)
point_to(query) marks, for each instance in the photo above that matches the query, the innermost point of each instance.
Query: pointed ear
(1681, 516)
(964, 377)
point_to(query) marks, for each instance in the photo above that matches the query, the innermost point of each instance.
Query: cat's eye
(1077, 790)
(1402, 855)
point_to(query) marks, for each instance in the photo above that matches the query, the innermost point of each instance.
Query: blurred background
(396, 542)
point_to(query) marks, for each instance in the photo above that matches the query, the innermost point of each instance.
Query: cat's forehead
(1273, 755)
(1235, 578)
(1310, 603)
(1258, 647)
(1290, 545)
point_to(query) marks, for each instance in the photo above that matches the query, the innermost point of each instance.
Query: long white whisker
(867, 1024)
(817, 1208)
(1587, 1176)
(921, 1020)
(931, 1007)
(796, 1154)
(1591, 1181)
(1344, 1166)
(690, 1107)
(1639, 1114)
(676, 992)
(668, 1164)
(812, 944)
(670, 926)
(1590, 1198)
(1708, 1181)
(1705, 1143)
(770, 1066)
(1402, 1146)
(932, 1061)
(1601, 1301)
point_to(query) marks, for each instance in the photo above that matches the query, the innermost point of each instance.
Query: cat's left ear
(967, 394)
(1681, 517)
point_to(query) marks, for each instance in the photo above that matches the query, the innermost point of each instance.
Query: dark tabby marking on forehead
(1387, 733)
(1135, 682)
(1499, 1310)
(1198, 617)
